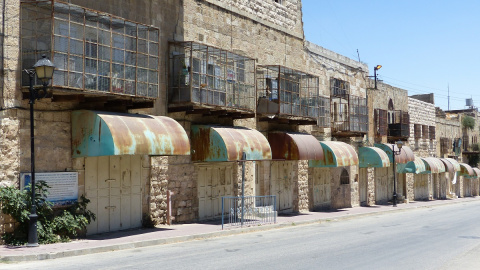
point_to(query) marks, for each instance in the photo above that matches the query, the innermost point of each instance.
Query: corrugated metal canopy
(433, 165)
(416, 166)
(295, 146)
(337, 154)
(372, 157)
(406, 154)
(218, 143)
(455, 164)
(97, 133)
(466, 170)
(448, 165)
(477, 172)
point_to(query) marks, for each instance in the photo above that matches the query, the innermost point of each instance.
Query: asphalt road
(442, 237)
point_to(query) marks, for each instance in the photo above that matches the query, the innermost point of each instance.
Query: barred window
(417, 129)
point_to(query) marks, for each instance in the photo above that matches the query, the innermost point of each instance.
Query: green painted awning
(97, 133)
(433, 165)
(416, 166)
(406, 154)
(220, 143)
(337, 154)
(372, 157)
(466, 171)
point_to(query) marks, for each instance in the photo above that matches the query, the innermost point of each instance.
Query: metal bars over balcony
(289, 95)
(398, 124)
(208, 77)
(91, 50)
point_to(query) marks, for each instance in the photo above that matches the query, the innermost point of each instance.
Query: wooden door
(381, 185)
(282, 182)
(321, 188)
(214, 182)
(113, 185)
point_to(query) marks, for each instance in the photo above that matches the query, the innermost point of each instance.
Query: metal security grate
(91, 50)
(202, 74)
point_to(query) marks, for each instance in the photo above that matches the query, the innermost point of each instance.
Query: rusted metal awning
(295, 146)
(372, 157)
(455, 164)
(433, 165)
(218, 143)
(416, 166)
(97, 133)
(406, 154)
(466, 170)
(336, 154)
(477, 172)
(448, 165)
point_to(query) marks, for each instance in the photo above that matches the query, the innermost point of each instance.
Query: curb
(193, 237)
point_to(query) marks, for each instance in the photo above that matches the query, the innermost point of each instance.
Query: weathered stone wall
(285, 16)
(422, 113)
(177, 175)
(301, 203)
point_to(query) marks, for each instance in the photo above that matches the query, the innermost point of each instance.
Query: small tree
(468, 122)
(53, 225)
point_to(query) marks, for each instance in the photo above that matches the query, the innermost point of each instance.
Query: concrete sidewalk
(188, 232)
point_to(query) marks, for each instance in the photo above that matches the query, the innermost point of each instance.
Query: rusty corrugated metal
(448, 165)
(372, 157)
(416, 166)
(97, 133)
(295, 146)
(455, 164)
(433, 165)
(406, 154)
(217, 144)
(466, 170)
(477, 172)
(336, 154)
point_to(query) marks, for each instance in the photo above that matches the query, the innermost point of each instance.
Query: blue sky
(424, 46)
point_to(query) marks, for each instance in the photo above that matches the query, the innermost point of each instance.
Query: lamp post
(44, 70)
(377, 67)
(399, 146)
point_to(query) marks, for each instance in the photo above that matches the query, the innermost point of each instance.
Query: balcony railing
(285, 92)
(204, 75)
(92, 50)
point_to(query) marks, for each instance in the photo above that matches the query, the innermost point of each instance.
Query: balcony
(290, 96)
(95, 54)
(210, 81)
(399, 125)
(349, 116)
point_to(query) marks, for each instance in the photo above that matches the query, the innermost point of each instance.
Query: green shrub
(53, 225)
(468, 122)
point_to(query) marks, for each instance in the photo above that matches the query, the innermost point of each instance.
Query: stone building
(161, 108)
(388, 123)
(467, 148)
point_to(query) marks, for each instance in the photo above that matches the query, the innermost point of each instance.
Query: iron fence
(248, 210)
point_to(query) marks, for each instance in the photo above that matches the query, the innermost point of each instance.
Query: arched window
(344, 177)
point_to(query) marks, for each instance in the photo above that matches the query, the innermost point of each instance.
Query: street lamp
(44, 70)
(377, 67)
(399, 146)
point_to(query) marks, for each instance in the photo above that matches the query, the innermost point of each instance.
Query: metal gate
(248, 210)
